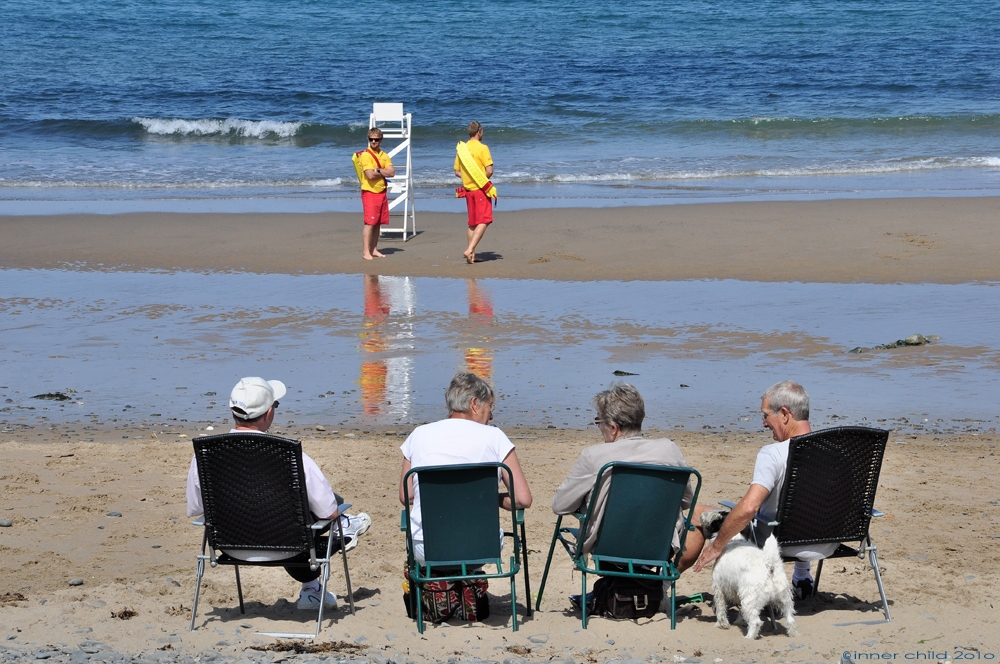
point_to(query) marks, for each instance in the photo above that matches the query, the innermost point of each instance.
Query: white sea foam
(818, 170)
(601, 177)
(217, 127)
(157, 185)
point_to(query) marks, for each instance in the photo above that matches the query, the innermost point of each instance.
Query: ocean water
(189, 104)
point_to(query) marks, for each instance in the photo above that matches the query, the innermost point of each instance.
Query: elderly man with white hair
(784, 408)
(253, 402)
(465, 436)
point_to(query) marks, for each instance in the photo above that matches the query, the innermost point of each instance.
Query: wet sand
(362, 350)
(912, 240)
(937, 547)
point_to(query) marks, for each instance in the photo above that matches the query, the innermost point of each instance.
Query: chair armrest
(730, 504)
(402, 520)
(519, 516)
(200, 521)
(322, 524)
(877, 513)
(759, 519)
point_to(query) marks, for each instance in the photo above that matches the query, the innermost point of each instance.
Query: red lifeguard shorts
(480, 208)
(376, 208)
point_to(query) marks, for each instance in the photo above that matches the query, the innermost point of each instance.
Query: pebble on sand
(76, 582)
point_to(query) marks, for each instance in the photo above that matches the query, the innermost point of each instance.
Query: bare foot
(367, 258)
(469, 258)
(378, 254)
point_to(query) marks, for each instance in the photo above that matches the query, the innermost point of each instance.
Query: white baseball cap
(252, 397)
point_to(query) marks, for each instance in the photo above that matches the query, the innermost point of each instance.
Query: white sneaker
(309, 599)
(354, 526)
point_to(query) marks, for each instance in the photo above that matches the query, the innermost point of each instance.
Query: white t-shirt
(769, 472)
(322, 501)
(451, 442)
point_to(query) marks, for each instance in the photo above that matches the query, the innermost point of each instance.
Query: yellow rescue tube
(356, 159)
(472, 168)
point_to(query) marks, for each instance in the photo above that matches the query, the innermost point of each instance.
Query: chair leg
(347, 573)
(673, 606)
(419, 608)
(583, 599)
(527, 579)
(239, 587)
(325, 574)
(548, 562)
(819, 571)
(513, 599)
(197, 589)
(873, 559)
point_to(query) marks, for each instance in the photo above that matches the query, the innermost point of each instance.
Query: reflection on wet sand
(479, 359)
(151, 347)
(385, 381)
(373, 372)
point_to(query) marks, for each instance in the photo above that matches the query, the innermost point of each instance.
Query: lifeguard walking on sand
(474, 164)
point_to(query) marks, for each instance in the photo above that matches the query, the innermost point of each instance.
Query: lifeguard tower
(396, 126)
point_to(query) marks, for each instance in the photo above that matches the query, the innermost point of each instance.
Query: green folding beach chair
(635, 535)
(461, 526)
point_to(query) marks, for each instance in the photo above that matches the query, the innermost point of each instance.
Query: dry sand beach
(912, 240)
(937, 544)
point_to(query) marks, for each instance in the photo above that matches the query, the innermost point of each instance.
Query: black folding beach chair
(829, 495)
(254, 492)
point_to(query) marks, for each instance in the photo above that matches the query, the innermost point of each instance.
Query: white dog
(751, 577)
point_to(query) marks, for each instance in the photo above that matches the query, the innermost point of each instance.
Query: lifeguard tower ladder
(396, 126)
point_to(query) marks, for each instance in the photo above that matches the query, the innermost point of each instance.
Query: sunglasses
(374, 140)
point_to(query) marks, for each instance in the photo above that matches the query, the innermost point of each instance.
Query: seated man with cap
(253, 402)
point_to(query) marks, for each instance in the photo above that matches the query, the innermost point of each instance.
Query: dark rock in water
(619, 372)
(912, 340)
(52, 396)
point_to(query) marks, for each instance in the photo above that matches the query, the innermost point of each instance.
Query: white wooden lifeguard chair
(396, 126)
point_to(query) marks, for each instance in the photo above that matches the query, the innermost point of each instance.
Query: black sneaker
(802, 588)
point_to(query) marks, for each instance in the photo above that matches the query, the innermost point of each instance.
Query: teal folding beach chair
(460, 514)
(635, 534)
